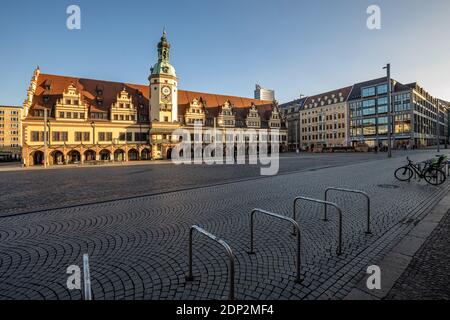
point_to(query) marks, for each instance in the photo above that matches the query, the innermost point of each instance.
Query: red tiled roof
(139, 93)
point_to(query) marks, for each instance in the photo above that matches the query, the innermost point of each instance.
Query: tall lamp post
(93, 132)
(299, 140)
(437, 127)
(45, 137)
(390, 126)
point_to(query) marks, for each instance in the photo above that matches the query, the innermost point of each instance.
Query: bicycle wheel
(403, 174)
(434, 176)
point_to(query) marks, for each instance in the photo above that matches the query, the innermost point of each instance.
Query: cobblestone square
(138, 245)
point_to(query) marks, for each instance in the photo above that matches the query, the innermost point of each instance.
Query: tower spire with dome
(163, 65)
(163, 85)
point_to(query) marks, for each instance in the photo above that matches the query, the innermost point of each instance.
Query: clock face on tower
(166, 91)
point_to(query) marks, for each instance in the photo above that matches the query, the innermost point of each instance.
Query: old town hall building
(73, 120)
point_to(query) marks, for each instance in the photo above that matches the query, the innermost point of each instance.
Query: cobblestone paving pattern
(73, 186)
(428, 275)
(138, 247)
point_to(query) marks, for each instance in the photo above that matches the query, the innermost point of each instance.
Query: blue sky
(227, 46)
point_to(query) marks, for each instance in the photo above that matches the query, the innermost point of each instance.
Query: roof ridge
(146, 85)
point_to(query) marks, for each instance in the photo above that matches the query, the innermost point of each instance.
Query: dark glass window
(382, 89)
(368, 92)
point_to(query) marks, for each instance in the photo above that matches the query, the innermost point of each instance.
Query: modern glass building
(414, 115)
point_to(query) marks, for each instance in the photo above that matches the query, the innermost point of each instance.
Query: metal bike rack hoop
(275, 215)
(326, 203)
(190, 276)
(356, 192)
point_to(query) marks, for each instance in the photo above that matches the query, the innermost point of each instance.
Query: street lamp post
(93, 132)
(299, 140)
(45, 137)
(437, 127)
(390, 126)
(215, 135)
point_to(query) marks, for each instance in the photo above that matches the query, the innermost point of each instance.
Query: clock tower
(163, 86)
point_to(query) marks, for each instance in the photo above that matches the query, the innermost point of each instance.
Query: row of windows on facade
(375, 90)
(322, 127)
(321, 118)
(253, 124)
(219, 137)
(12, 145)
(99, 102)
(374, 106)
(322, 103)
(94, 115)
(12, 125)
(402, 125)
(63, 136)
(13, 132)
(425, 125)
(322, 136)
(370, 107)
(373, 126)
(311, 110)
(12, 112)
(365, 92)
(194, 121)
(320, 110)
(402, 102)
(425, 107)
(238, 123)
(15, 139)
(13, 119)
(399, 128)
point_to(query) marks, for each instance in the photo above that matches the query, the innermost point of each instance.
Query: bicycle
(431, 172)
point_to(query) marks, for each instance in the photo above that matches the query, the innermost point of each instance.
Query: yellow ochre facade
(73, 120)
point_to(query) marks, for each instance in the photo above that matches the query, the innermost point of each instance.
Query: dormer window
(48, 85)
(68, 101)
(99, 90)
(38, 113)
(46, 99)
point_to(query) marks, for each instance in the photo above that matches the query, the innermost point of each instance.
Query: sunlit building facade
(74, 120)
(414, 115)
(324, 120)
(10, 133)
